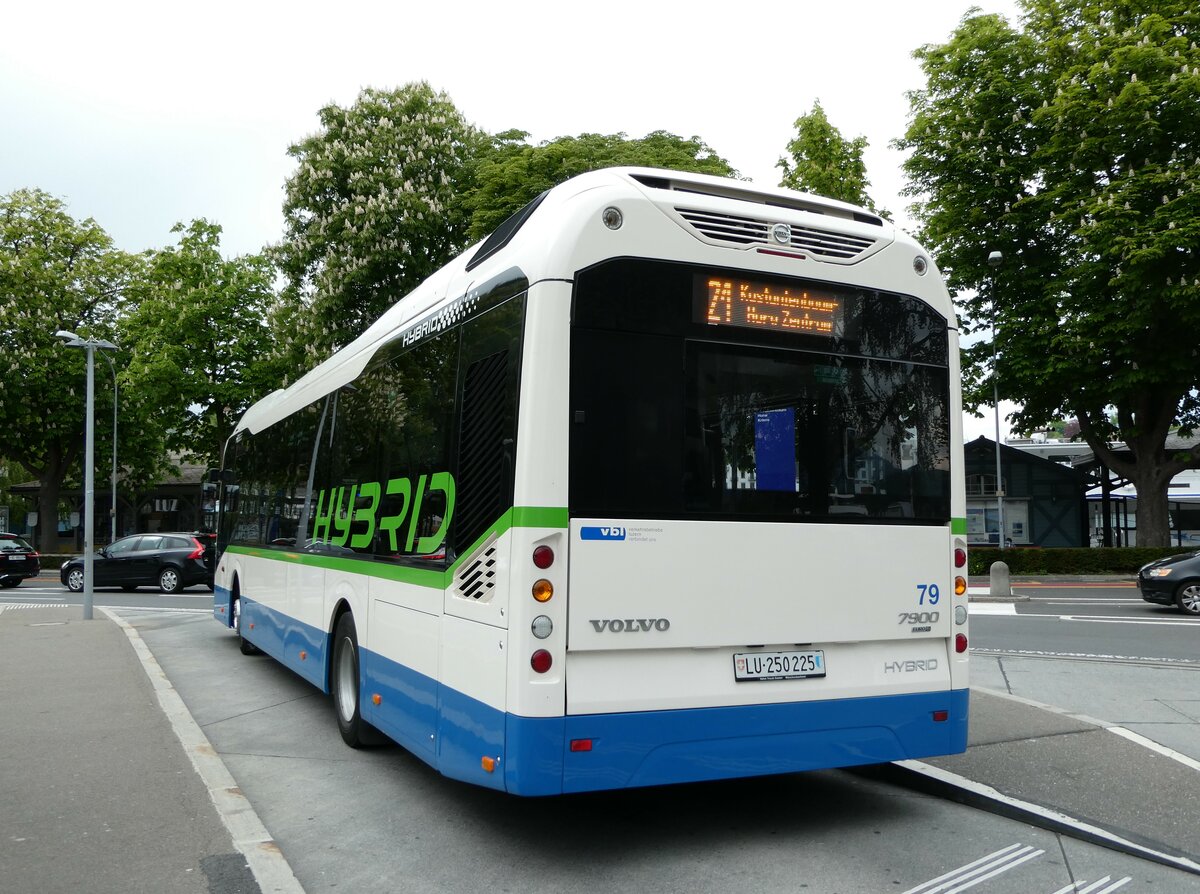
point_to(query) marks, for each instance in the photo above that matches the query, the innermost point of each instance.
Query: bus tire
(244, 645)
(344, 684)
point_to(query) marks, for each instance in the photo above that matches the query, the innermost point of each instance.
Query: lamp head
(995, 258)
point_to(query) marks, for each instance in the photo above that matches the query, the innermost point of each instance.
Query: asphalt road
(381, 820)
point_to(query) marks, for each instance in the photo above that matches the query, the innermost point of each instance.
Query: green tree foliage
(375, 206)
(200, 347)
(55, 273)
(824, 162)
(513, 173)
(1072, 145)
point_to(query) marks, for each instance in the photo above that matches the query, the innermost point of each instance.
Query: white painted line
(1183, 663)
(1074, 886)
(961, 872)
(1154, 746)
(251, 838)
(1027, 855)
(1101, 619)
(986, 791)
(1095, 888)
(992, 608)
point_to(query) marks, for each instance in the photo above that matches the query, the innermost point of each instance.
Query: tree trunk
(48, 514)
(50, 478)
(1153, 518)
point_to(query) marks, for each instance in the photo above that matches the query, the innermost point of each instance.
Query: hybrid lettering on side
(341, 508)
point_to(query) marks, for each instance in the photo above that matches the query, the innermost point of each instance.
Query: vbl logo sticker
(605, 533)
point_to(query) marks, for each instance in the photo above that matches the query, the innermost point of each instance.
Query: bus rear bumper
(608, 751)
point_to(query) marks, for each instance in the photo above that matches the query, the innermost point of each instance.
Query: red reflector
(960, 558)
(540, 661)
(960, 643)
(581, 744)
(543, 557)
(941, 716)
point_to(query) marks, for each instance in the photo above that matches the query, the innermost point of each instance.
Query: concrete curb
(266, 861)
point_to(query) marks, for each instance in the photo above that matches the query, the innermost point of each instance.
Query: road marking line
(986, 791)
(1094, 888)
(1101, 619)
(266, 861)
(1155, 746)
(992, 608)
(1181, 663)
(1074, 886)
(1001, 869)
(955, 874)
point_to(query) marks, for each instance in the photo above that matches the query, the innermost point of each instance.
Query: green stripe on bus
(958, 526)
(517, 517)
(540, 517)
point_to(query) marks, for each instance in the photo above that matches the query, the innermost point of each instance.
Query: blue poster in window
(775, 449)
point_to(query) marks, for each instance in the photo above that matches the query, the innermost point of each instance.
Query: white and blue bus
(660, 482)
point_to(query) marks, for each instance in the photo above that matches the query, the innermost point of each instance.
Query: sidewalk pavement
(92, 770)
(98, 793)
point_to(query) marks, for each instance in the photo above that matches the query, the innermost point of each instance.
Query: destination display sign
(729, 301)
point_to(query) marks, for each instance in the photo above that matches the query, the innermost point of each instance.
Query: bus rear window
(676, 417)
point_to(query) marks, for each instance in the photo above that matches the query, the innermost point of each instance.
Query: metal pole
(999, 477)
(113, 511)
(995, 259)
(89, 487)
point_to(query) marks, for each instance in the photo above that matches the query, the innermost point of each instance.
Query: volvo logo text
(631, 625)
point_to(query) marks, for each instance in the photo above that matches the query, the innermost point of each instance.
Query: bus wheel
(344, 684)
(247, 647)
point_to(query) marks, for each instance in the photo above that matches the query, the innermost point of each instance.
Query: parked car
(1174, 580)
(18, 560)
(170, 561)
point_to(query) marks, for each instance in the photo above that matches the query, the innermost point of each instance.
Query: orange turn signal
(377, 699)
(543, 590)
(488, 764)
(960, 586)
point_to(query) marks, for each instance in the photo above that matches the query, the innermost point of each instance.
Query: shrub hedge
(1027, 560)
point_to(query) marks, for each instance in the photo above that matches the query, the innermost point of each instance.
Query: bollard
(1000, 584)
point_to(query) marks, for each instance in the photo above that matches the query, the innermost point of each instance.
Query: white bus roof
(533, 251)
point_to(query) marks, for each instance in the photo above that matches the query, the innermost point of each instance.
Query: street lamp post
(89, 486)
(995, 259)
(113, 511)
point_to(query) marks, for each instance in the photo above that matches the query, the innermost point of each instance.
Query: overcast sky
(142, 114)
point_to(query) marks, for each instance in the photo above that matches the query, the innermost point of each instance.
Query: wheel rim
(168, 581)
(237, 615)
(1189, 599)
(347, 682)
(75, 580)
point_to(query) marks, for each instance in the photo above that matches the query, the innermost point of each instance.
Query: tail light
(198, 552)
(540, 661)
(960, 557)
(960, 643)
(543, 557)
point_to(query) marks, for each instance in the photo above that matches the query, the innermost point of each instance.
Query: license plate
(16, 558)
(796, 665)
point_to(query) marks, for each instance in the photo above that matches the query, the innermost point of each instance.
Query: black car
(1174, 580)
(18, 560)
(170, 561)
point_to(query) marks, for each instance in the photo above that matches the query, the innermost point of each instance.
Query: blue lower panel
(662, 747)
(300, 646)
(408, 706)
(454, 732)
(221, 603)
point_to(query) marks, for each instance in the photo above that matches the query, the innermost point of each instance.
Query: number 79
(928, 590)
